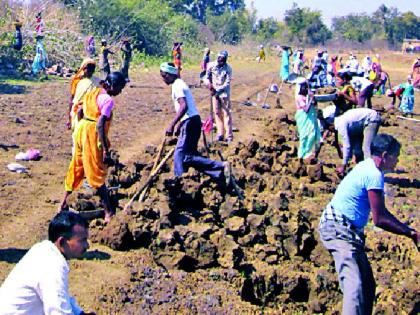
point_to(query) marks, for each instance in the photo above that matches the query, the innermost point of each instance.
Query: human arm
(227, 79)
(68, 124)
(385, 220)
(180, 113)
(346, 151)
(100, 127)
(52, 289)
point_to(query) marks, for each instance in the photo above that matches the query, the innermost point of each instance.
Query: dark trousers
(186, 154)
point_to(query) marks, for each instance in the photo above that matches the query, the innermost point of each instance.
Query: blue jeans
(186, 154)
(354, 272)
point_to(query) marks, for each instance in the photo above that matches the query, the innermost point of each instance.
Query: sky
(330, 8)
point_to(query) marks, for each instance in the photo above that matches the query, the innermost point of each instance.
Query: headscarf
(223, 54)
(299, 82)
(80, 73)
(166, 67)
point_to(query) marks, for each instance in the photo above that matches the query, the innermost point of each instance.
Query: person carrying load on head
(286, 51)
(219, 76)
(91, 155)
(177, 56)
(127, 54)
(103, 61)
(18, 41)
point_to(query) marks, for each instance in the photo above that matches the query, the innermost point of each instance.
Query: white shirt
(360, 83)
(352, 123)
(38, 284)
(180, 89)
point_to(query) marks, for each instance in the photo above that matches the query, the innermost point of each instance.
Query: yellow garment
(262, 54)
(83, 86)
(87, 156)
(79, 74)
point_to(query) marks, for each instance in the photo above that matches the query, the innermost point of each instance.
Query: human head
(343, 77)
(261, 46)
(302, 87)
(103, 42)
(387, 149)
(207, 50)
(114, 83)
(320, 53)
(168, 72)
(409, 79)
(88, 67)
(69, 232)
(222, 57)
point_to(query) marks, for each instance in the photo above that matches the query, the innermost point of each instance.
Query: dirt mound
(267, 239)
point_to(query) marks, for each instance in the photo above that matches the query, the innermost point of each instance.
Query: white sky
(330, 8)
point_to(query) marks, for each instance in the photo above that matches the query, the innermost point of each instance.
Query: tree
(229, 28)
(306, 25)
(199, 9)
(353, 27)
(266, 28)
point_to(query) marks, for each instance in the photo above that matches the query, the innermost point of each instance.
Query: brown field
(28, 201)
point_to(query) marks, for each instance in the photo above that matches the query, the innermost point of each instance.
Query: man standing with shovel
(187, 125)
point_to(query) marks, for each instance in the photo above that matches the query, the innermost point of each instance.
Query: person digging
(342, 223)
(91, 155)
(187, 126)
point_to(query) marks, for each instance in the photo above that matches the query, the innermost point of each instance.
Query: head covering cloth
(166, 67)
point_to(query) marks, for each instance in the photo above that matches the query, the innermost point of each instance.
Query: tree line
(154, 24)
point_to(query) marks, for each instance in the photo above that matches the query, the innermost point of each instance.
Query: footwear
(227, 171)
(219, 138)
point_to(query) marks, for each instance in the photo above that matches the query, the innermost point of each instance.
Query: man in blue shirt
(343, 220)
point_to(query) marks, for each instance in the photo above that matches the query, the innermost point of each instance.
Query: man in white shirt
(357, 128)
(188, 128)
(365, 88)
(219, 75)
(38, 284)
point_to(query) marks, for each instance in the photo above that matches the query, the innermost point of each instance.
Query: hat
(103, 40)
(166, 67)
(223, 54)
(261, 46)
(206, 50)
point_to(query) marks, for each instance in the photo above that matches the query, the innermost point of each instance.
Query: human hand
(340, 170)
(414, 235)
(106, 157)
(177, 130)
(170, 131)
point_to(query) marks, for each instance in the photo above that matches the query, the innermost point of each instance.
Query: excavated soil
(195, 246)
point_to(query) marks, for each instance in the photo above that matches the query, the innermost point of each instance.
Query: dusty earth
(193, 247)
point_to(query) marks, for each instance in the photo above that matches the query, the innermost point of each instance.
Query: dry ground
(28, 201)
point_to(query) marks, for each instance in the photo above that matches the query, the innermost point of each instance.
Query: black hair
(384, 143)
(115, 79)
(344, 76)
(90, 67)
(62, 225)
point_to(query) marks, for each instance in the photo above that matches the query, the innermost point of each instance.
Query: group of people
(361, 191)
(106, 50)
(341, 228)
